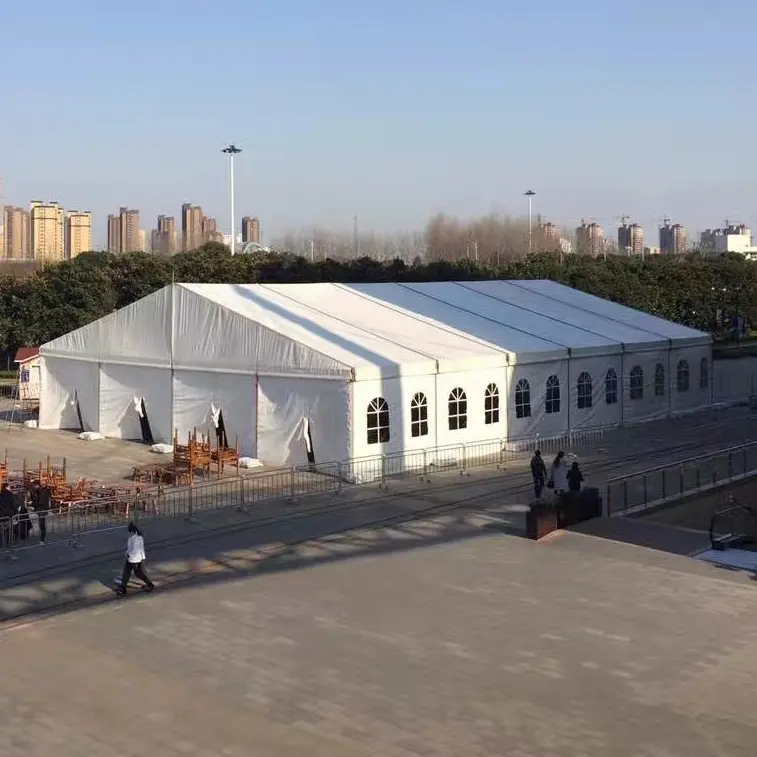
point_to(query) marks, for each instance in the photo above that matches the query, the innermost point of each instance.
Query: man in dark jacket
(7, 511)
(41, 502)
(538, 473)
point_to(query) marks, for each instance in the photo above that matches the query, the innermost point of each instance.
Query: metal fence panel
(76, 520)
(677, 479)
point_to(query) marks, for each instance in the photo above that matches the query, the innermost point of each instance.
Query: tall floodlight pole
(231, 151)
(530, 194)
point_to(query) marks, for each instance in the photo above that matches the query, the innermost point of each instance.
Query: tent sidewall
(63, 382)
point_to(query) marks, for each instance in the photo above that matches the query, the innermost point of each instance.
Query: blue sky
(389, 110)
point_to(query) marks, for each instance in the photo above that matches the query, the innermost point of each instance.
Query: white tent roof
(364, 330)
(618, 315)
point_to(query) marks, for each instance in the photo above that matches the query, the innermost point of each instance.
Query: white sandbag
(90, 436)
(249, 462)
(30, 424)
(162, 449)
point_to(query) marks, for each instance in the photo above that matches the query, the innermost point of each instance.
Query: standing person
(7, 511)
(559, 474)
(575, 478)
(41, 501)
(135, 559)
(23, 523)
(538, 473)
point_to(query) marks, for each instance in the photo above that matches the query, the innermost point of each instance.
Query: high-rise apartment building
(16, 233)
(46, 224)
(163, 238)
(547, 237)
(631, 239)
(590, 239)
(210, 231)
(78, 233)
(124, 232)
(672, 238)
(129, 228)
(114, 234)
(733, 238)
(191, 227)
(250, 230)
(209, 228)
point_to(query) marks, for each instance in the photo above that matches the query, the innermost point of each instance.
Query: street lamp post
(530, 194)
(231, 151)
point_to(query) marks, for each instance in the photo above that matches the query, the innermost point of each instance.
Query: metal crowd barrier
(69, 524)
(642, 490)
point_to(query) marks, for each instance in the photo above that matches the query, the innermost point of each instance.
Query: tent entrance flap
(221, 437)
(308, 438)
(217, 404)
(135, 403)
(78, 411)
(144, 422)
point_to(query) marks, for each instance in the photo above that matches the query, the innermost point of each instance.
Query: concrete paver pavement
(478, 646)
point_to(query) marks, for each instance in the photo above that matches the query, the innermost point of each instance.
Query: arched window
(552, 404)
(659, 380)
(523, 399)
(682, 376)
(704, 373)
(583, 391)
(491, 404)
(636, 386)
(378, 421)
(611, 387)
(419, 415)
(457, 409)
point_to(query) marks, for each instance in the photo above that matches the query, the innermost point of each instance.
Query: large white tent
(352, 370)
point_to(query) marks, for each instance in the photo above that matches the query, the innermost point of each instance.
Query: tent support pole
(670, 378)
(257, 414)
(622, 387)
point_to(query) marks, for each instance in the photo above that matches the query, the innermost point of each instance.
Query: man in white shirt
(135, 558)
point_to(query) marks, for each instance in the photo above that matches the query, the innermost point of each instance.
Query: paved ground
(422, 631)
(509, 487)
(696, 512)
(108, 460)
(479, 644)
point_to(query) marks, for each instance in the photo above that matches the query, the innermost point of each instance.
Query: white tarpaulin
(138, 333)
(64, 382)
(123, 388)
(289, 407)
(370, 341)
(198, 395)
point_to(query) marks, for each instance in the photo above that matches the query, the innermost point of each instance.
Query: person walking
(135, 560)
(575, 478)
(7, 513)
(538, 473)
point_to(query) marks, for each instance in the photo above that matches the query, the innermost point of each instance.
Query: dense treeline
(62, 297)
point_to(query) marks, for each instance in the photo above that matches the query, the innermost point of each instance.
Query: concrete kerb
(658, 504)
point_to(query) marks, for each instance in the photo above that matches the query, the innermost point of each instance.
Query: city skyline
(361, 110)
(48, 231)
(649, 225)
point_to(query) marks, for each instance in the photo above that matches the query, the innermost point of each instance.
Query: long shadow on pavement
(292, 545)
